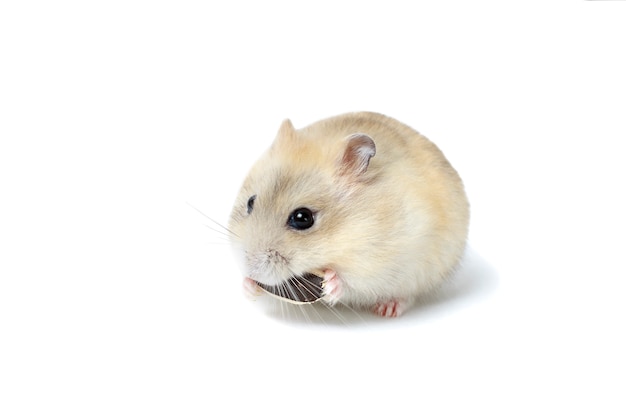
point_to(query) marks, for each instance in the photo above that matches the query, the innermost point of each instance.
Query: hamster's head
(295, 202)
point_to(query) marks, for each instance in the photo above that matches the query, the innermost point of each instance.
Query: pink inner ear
(357, 155)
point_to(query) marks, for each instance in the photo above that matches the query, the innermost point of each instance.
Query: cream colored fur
(392, 232)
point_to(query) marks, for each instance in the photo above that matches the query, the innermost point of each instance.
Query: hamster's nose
(275, 256)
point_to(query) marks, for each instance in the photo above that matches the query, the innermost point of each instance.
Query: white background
(115, 299)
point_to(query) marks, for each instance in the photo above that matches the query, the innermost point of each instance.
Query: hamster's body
(379, 212)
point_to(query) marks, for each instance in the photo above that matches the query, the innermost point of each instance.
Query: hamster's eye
(301, 219)
(251, 203)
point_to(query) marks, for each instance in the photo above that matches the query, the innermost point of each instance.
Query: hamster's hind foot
(392, 308)
(331, 287)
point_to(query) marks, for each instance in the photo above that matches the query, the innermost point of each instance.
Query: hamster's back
(415, 190)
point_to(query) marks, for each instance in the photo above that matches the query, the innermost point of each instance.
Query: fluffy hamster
(362, 202)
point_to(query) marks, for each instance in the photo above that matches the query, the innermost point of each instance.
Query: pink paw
(250, 288)
(393, 308)
(331, 287)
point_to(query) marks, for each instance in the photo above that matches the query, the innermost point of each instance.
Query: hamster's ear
(285, 134)
(356, 157)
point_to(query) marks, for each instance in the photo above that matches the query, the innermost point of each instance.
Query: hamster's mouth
(304, 289)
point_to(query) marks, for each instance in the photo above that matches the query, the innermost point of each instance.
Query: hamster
(357, 209)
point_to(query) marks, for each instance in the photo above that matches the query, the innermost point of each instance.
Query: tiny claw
(392, 308)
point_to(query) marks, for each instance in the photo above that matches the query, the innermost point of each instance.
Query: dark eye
(301, 219)
(251, 203)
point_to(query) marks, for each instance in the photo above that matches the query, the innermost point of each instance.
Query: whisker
(304, 293)
(335, 311)
(305, 288)
(317, 313)
(301, 307)
(230, 232)
(306, 284)
(279, 292)
(291, 289)
(282, 290)
(223, 234)
(306, 308)
(346, 306)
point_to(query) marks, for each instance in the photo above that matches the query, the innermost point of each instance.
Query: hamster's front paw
(331, 287)
(250, 288)
(392, 308)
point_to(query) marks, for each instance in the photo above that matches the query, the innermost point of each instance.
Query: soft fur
(391, 215)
